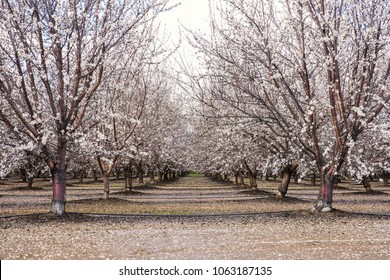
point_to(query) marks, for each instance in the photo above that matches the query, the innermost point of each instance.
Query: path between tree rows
(195, 218)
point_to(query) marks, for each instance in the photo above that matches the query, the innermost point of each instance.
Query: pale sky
(192, 14)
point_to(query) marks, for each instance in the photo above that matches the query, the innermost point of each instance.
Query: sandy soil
(194, 218)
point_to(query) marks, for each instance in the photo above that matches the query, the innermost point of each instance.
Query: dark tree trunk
(286, 178)
(236, 178)
(140, 178)
(128, 178)
(95, 175)
(81, 176)
(160, 176)
(140, 174)
(296, 178)
(30, 181)
(130, 181)
(366, 184)
(117, 173)
(313, 179)
(385, 178)
(23, 174)
(252, 175)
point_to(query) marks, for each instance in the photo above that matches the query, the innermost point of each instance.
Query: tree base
(58, 207)
(280, 194)
(322, 206)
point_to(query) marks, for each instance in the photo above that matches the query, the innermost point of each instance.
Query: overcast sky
(192, 14)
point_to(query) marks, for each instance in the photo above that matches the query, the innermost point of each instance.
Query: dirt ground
(193, 218)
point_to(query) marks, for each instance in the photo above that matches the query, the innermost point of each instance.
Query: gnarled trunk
(252, 175)
(286, 178)
(325, 197)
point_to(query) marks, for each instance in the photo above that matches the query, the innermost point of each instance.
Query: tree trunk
(128, 178)
(325, 197)
(286, 177)
(366, 184)
(386, 178)
(151, 177)
(141, 178)
(105, 172)
(30, 182)
(140, 172)
(117, 173)
(313, 179)
(59, 187)
(252, 180)
(106, 182)
(23, 174)
(130, 181)
(95, 176)
(241, 179)
(81, 176)
(296, 178)
(58, 173)
(160, 176)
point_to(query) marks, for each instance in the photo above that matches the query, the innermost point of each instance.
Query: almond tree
(370, 154)
(317, 72)
(53, 57)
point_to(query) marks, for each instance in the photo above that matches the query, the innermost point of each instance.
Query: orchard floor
(193, 218)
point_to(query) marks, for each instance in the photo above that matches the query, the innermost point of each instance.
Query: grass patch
(195, 174)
